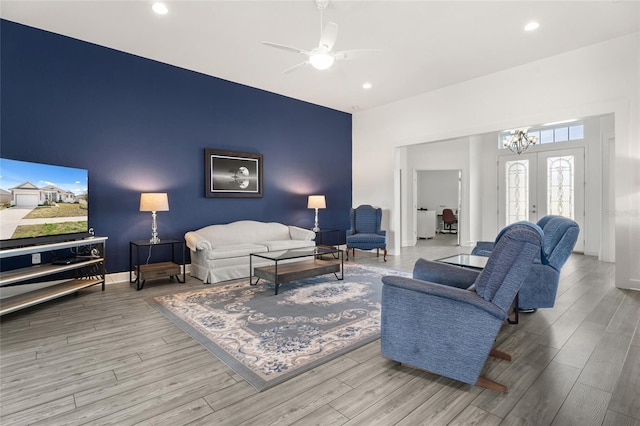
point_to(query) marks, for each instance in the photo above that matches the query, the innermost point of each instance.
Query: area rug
(268, 339)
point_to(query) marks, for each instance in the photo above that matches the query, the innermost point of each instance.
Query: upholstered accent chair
(540, 288)
(446, 318)
(365, 232)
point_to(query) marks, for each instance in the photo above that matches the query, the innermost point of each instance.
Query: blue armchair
(446, 318)
(365, 232)
(540, 288)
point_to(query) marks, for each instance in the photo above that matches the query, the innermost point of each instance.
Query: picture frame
(233, 174)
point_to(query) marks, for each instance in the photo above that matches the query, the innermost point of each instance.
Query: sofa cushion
(286, 244)
(247, 231)
(235, 250)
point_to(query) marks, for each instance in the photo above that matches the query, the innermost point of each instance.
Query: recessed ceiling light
(160, 8)
(366, 85)
(531, 26)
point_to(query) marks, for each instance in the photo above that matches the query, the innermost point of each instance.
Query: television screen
(41, 203)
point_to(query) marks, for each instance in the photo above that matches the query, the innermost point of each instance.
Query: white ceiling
(425, 45)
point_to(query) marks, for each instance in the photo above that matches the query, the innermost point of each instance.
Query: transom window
(573, 131)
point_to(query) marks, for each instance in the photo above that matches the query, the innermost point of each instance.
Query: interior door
(533, 185)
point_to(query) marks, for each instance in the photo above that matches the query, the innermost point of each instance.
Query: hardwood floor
(110, 358)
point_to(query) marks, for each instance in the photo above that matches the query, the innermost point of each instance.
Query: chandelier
(519, 141)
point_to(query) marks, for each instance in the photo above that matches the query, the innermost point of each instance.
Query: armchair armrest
(350, 232)
(426, 288)
(383, 233)
(483, 248)
(196, 242)
(297, 233)
(443, 273)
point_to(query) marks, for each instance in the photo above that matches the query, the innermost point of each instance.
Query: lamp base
(154, 229)
(316, 227)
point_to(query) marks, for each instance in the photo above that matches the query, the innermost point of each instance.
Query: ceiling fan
(323, 56)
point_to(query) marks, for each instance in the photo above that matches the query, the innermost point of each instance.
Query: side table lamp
(316, 202)
(154, 202)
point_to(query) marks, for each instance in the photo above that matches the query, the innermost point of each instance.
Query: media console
(88, 271)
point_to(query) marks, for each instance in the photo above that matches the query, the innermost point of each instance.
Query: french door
(533, 185)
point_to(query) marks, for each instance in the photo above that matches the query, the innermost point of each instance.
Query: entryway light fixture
(316, 202)
(154, 202)
(519, 141)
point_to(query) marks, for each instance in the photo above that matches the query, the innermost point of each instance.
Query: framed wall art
(232, 174)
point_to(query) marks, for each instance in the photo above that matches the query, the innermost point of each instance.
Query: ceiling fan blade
(287, 48)
(295, 67)
(329, 35)
(355, 53)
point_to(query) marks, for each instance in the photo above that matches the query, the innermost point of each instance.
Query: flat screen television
(42, 203)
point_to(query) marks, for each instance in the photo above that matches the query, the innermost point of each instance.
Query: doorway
(534, 185)
(436, 190)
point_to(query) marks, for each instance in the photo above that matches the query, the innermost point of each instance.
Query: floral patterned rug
(268, 339)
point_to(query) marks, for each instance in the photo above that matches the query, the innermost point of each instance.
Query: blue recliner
(365, 232)
(540, 288)
(446, 318)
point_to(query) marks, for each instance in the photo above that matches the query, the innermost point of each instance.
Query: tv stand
(90, 271)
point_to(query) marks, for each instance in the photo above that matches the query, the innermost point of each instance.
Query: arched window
(560, 186)
(517, 184)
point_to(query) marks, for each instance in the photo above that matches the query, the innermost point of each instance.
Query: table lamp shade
(154, 202)
(316, 202)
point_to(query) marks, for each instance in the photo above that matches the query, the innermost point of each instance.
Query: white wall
(437, 189)
(592, 81)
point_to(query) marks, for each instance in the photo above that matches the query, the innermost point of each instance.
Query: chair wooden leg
(483, 382)
(385, 254)
(490, 384)
(497, 353)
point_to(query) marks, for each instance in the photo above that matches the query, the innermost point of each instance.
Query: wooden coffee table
(286, 267)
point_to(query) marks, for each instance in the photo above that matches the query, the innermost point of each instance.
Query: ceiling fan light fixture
(322, 60)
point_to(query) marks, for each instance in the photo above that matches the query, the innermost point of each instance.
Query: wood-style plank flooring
(106, 358)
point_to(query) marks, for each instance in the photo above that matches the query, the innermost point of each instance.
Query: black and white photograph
(233, 174)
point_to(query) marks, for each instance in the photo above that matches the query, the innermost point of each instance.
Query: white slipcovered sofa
(221, 252)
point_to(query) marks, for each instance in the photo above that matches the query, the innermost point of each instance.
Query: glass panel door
(517, 190)
(543, 183)
(561, 186)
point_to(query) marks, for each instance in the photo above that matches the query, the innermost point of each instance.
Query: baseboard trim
(123, 277)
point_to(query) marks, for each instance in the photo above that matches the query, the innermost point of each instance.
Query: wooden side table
(145, 271)
(321, 237)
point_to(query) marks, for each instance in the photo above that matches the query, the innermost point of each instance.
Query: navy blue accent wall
(139, 126)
